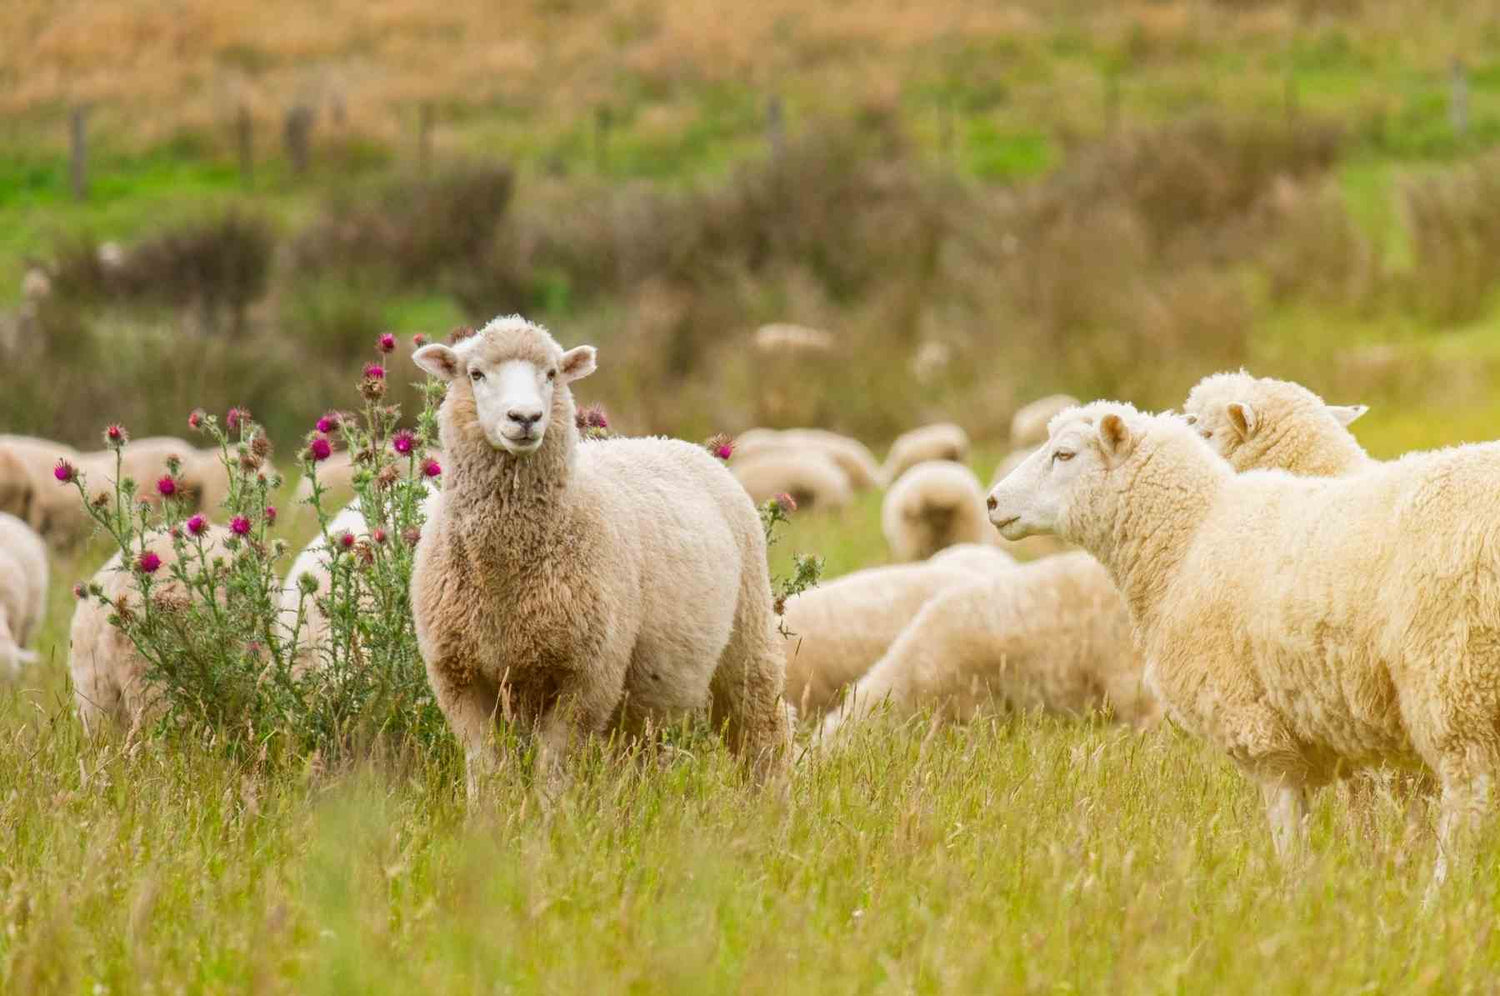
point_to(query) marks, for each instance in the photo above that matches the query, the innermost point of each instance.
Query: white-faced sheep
(933, 505)
(1259, 423)
(941, 441)
(23, 592)
(837, 630)
(1032, 547)
(1305, 625)
(1053, 635)
(811, 478)
(1028, 426)
(591, 585)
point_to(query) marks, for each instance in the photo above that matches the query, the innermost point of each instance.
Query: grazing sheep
(23, 592)
(852, 457)
(1308, 626)
(206, 480)
(1053, 635)
(933, 505)
(581, 587)
(1259, 423)
(1028, 427)
(811, 478)
(941, 441)
(145, 460)
(837, 630)
(109, 686)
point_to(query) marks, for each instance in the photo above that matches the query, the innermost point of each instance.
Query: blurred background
(215, 202)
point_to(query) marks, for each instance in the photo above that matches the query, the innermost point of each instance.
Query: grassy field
(1022, 853)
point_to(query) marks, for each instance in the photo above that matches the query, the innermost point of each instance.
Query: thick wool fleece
(812, 479)
(1291, 428)
(939, 441)
(591, 586)
(933, 505)
(53, 510)
(837, 630)
(1053, 635)
(1306, 625)
(313, 560)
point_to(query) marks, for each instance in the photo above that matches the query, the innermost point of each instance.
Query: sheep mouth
(1006, 523)
(520, 445)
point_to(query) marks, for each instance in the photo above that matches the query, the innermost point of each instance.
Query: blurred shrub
(1453, 218)
(1314, 249)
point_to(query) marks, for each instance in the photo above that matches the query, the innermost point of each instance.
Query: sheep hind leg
(1467, 795)
(1286, 810)
(746, 691)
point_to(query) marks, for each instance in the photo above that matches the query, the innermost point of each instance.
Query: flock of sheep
(1243, 567)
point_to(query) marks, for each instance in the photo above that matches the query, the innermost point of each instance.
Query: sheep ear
(1347, 413)
(438, 360)
(578, 362)
(1241, 419)
(1114, 436)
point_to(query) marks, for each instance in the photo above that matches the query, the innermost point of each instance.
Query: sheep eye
(476, 375)
(1063, 455)
(1192, 420)
(1207, 433)
(552, 374)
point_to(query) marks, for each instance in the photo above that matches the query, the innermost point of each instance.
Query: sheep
(851, 456)
(1028, 426)
(1307, 626)
(587, 586)
(940, 441)
(811, 478)
(18, 486)
(109, 674)
(781, 338)
(54, 512)
(313, 560)
(836, 631)
(933, 505)
(1053, 635)
(1032, 547)
(336, 475)
(1259, 423)
(23, 592)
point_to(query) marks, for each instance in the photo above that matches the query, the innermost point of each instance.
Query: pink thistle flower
(237, 416)
(386, 343)
(432, 468)
(329, 422)
(419, 340)
(239, 525)
(195, 418)
(403, 441)
(166, 487)
(196, 525)
(378, 535)
(346, 540)
(319, 449)
(374, 371)
(149, 562)
(721, 446)
(116, 436)
(65, 472)
(786, 501)
(270, 514)
(80, 592)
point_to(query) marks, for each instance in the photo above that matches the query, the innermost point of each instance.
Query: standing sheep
(838, 629)
(1259, 423)
(1304, 625)
(940, 441)
(1053, 635)
(933, 505)
(584, 586)
(23, 592)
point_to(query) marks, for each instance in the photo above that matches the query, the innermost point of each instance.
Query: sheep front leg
(1286, 810)
(565, 729)
(471, 710)
(1465, 799)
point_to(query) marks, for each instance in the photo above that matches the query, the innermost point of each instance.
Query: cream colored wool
(1305, 625)
(1028, 427)
(23, 592)
(940, 441)
(933, 505)
(1259, 423)
(54, 510)
(809, 476)
(583, 587)
(109, 687)
(1054, 635)
(840, 628)
(17, 485)
(851, 456)
(336, 475)
(312, 636)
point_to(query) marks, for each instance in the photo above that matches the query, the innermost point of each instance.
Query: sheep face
(1235, 413)
(1084, 445)
(512, 380)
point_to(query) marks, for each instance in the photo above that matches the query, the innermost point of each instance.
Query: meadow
(1108, 197)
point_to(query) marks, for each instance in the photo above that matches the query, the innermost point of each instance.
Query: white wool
(850, 455)
(1028, 426)
(933, 505)
(940, 441)
(23, 591)
(812, 479)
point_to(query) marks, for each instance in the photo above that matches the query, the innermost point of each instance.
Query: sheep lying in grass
(1052, 635)
(837, 630)
(811, 478)
(581, 587)
(850, 455)
(18, 486)
(23, 592)
(1305, 625)
(941, 441)
(933, 505)
(1028, 426)
(1259, 423)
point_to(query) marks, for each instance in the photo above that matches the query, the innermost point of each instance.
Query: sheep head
(513, 376)
(1260, 422)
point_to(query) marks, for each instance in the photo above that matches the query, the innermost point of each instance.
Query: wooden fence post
(78, 153)
(244, 140)
(297, 137)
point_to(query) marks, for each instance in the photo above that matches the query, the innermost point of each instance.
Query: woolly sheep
(837, 630)
(313, 560)
(1259, 423)
(852, 457)
(23, 592)
(931, 506)
(109, 686)
(941, 441)
(336, 475)
(811, 478)
(55, 512)
(17, 485)
(587, 586)
(1028, 426)
(1053, 635)
(1304, 625)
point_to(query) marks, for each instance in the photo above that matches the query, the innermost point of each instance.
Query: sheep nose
(524, 419)
(990, 503)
